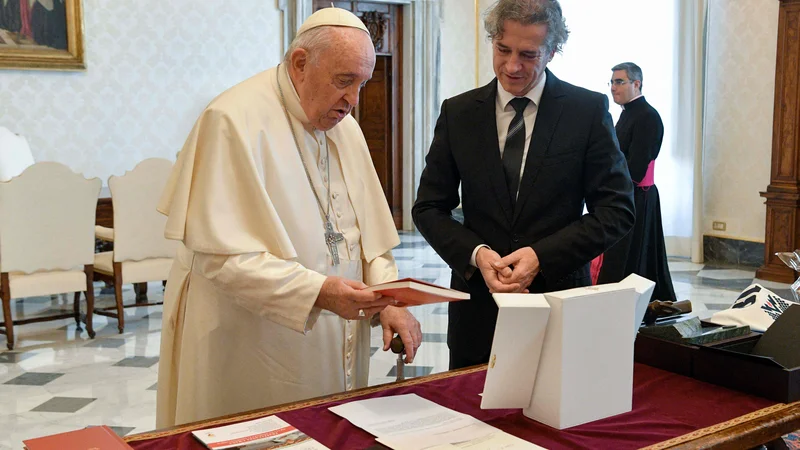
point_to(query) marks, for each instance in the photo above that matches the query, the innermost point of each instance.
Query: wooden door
(379, 112)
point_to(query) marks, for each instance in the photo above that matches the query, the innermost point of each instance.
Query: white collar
(535, 94)
(292, 99)
(634, 98)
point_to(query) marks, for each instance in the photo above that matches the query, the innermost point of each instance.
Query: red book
(92, 438)
(410, 292)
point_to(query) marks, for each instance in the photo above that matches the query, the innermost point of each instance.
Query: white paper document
(410, 422)
(269, 432)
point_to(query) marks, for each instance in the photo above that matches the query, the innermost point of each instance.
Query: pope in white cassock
(282, 220)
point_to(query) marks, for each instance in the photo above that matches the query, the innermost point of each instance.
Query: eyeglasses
(619, 82)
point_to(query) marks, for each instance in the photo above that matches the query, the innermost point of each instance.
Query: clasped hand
(510, 274)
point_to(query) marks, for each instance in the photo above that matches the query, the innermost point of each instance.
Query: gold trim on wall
(51, 59)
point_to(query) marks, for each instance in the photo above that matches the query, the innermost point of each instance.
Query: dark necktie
(515, 146)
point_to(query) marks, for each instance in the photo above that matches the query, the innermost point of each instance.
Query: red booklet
(99, 438)
(410, 292)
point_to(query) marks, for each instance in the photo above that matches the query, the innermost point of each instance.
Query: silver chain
(326, 211)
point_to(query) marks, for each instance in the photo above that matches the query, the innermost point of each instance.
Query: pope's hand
(401, 321)
(345, 298)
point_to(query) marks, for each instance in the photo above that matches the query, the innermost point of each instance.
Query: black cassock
(642, 251)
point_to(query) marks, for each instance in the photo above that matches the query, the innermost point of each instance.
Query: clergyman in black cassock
(640, 132)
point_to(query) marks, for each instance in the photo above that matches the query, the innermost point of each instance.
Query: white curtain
(689, 99)
(666, 39)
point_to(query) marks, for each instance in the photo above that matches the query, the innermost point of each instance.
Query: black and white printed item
(756, 306)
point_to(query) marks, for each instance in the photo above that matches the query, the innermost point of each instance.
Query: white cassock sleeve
(282, 291)
(380, 270)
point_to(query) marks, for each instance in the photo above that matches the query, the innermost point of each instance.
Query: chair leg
(141, 292)
(5, 293)
(76, 309)
(89, 270)
(118, 296)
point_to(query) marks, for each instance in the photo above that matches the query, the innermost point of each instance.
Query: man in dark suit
(528, 150)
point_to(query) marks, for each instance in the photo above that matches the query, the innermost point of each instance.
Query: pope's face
(520, 56)
(329, 84)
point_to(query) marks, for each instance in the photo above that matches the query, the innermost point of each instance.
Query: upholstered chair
(141, 252)
(47, 240)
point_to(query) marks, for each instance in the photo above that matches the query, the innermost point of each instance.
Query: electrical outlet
(719, 226)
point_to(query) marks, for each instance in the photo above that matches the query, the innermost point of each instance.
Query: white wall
(457, 49)
(740, 86)
(152, 67)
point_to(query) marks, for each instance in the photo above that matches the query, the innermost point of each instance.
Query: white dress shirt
(504, 114)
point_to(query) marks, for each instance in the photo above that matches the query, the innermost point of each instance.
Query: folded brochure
(269, 432)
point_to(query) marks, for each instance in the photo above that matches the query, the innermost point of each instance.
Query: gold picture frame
(41, 38)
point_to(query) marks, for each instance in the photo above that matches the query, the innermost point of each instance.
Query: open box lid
(781, 341)
(779, 346)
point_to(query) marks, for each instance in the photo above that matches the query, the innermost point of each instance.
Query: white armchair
(141, 252)
(15, 154)
(47, 240)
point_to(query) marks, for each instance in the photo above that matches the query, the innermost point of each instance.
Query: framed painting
(41, 35)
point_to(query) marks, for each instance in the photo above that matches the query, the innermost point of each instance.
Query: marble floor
(57, 379)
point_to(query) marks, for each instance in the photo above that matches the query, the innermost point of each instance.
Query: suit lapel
(486, 119)
(543, 129)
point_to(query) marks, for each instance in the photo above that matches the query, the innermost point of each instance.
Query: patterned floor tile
(34, 379)
(106, 343)
(14, 357)
(726, 274)
(137, 361)
(717, 306)
(695, 279)
(684, 266)
(405, 245)
(728, 285)
(434, 337)
(786, 294)
(63, 404)
(36, 300)
(688, 276)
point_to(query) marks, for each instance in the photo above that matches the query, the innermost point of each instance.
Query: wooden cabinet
(783, 193)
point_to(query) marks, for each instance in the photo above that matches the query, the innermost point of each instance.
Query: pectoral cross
(332, 238)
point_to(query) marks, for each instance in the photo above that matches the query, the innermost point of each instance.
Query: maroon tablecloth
(665, 406)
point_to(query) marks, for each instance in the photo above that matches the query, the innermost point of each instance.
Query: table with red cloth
(669, 411)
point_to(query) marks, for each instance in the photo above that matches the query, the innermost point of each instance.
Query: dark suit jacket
(573, 158)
